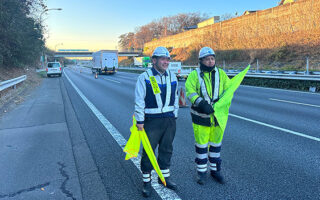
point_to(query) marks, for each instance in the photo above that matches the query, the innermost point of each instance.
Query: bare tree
(159, 28)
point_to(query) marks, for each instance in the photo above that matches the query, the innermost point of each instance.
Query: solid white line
(163, 192)
(275, 127)
(305, 104)
(313, 93)
(111, 80)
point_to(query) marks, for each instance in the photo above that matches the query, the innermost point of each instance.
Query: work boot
(216, 175)
(201, 177)
(146, 190)
(170, 184)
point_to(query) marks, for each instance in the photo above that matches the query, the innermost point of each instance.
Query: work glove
(205, 107)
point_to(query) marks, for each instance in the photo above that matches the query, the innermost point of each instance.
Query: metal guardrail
(280, 76)
(257, 75)
(40, 70)
(12, 82)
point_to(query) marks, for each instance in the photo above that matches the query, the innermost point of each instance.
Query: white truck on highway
(105, 62)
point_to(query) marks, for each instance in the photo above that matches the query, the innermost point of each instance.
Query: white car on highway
(54, 68)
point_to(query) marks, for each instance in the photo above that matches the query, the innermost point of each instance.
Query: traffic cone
(182, 99)
(96, 76)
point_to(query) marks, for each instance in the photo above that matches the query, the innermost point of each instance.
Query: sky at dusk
(97, 24)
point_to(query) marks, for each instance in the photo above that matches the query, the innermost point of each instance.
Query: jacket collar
(155, 72)
(205, 68)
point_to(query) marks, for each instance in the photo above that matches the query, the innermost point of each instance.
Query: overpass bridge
(60, 54)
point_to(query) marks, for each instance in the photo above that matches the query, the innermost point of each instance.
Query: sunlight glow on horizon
(97, 24)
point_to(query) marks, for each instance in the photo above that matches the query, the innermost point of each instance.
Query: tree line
(21, 33)
(159, 28)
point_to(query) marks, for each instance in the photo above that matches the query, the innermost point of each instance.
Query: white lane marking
(111, 80)
(163, 192)
(134, 74)
(305, 104)
(129, 73)
(276, 127)
(313, 93)
(129, 78)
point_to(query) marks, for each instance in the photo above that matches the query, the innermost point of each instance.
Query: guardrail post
(257, 65)
(307, 65)
(224, 65)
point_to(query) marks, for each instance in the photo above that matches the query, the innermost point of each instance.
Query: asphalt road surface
(271, 147)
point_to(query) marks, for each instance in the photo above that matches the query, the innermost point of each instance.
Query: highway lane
(280, 108)
(259, 162)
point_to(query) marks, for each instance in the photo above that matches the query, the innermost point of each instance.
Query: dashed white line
(129, 78)
(276, 127)
(293, 102)
(111, 80)
(163, 192)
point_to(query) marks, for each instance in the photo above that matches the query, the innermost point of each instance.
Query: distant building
(190, 27)
(247, 12)
(282, 2)
(208, 22)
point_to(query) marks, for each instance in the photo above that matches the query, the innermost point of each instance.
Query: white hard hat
(161, 52)
(206, 51)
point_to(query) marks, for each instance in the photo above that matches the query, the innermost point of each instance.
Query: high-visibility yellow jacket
(213, 84)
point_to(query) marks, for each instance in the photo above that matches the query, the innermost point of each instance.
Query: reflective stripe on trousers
(165, 173)
(202, 157)
(214, 156)
(146, 177)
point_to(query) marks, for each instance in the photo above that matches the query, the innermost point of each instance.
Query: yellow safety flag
(133, 145)
(221, 107)
(154, 85)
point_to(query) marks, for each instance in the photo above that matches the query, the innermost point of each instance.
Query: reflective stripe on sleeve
(198, 101)
(192, 95)
(199, 114)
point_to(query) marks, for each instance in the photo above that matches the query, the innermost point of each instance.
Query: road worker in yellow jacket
(204, 86)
